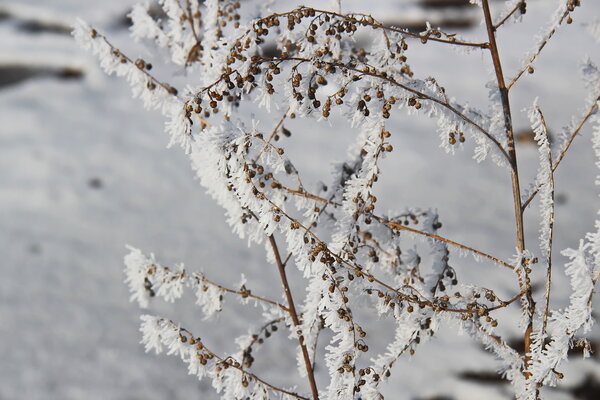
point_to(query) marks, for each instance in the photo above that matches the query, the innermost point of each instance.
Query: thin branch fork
(233, 365)
(361, 272)
(395, 225)
(591, 111)
(294, 316)
(518, 6)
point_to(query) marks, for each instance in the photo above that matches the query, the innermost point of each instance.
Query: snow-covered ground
(84, 171)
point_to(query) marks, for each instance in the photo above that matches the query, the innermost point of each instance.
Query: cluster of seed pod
(452, 137)
(413, 102)
(229, 12)
(347, 364)
(259, 338)
(323, 59)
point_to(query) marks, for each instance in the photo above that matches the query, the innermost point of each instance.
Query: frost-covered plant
(350, 255)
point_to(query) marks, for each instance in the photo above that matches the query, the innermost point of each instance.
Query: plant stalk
(514, 168)
(294, 316)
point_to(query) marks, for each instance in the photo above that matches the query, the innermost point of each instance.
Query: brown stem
(294, 316)
(395, 225)
(513, 161)
(370, 21)
(240, 293)
(538, 50)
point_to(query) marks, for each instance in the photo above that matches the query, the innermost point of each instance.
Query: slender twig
(294, 316)
(538, 50)
(200, 278)
(272, 135)
(513, 158)
(370, 21)
(190, 18)
(168, 88)
(395, 225)
(241, 293)
(517, 6)
(256, 337)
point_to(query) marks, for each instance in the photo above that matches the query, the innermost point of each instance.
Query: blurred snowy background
(84, 171)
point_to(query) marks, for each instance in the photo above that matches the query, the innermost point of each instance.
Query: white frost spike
(594, 237)
(144, 26)
(208, 297)
(136, 266)
(147, 278)
(544, 179)
(576, 317)
(151, 328)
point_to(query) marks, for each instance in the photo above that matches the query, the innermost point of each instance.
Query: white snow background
(84, 171)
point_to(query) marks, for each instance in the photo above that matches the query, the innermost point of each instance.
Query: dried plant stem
(272, 135)
(190, 18)
(239, 368)
(551, 232)
(241, 293)
(422, 96)
(538, 50)
(294, 316)
(395, 225)
(514, 168)
(510, 13)
(591, 111)
(369, 20)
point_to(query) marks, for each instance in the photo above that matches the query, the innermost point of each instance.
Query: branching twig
(591, 111)
(236, 366)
